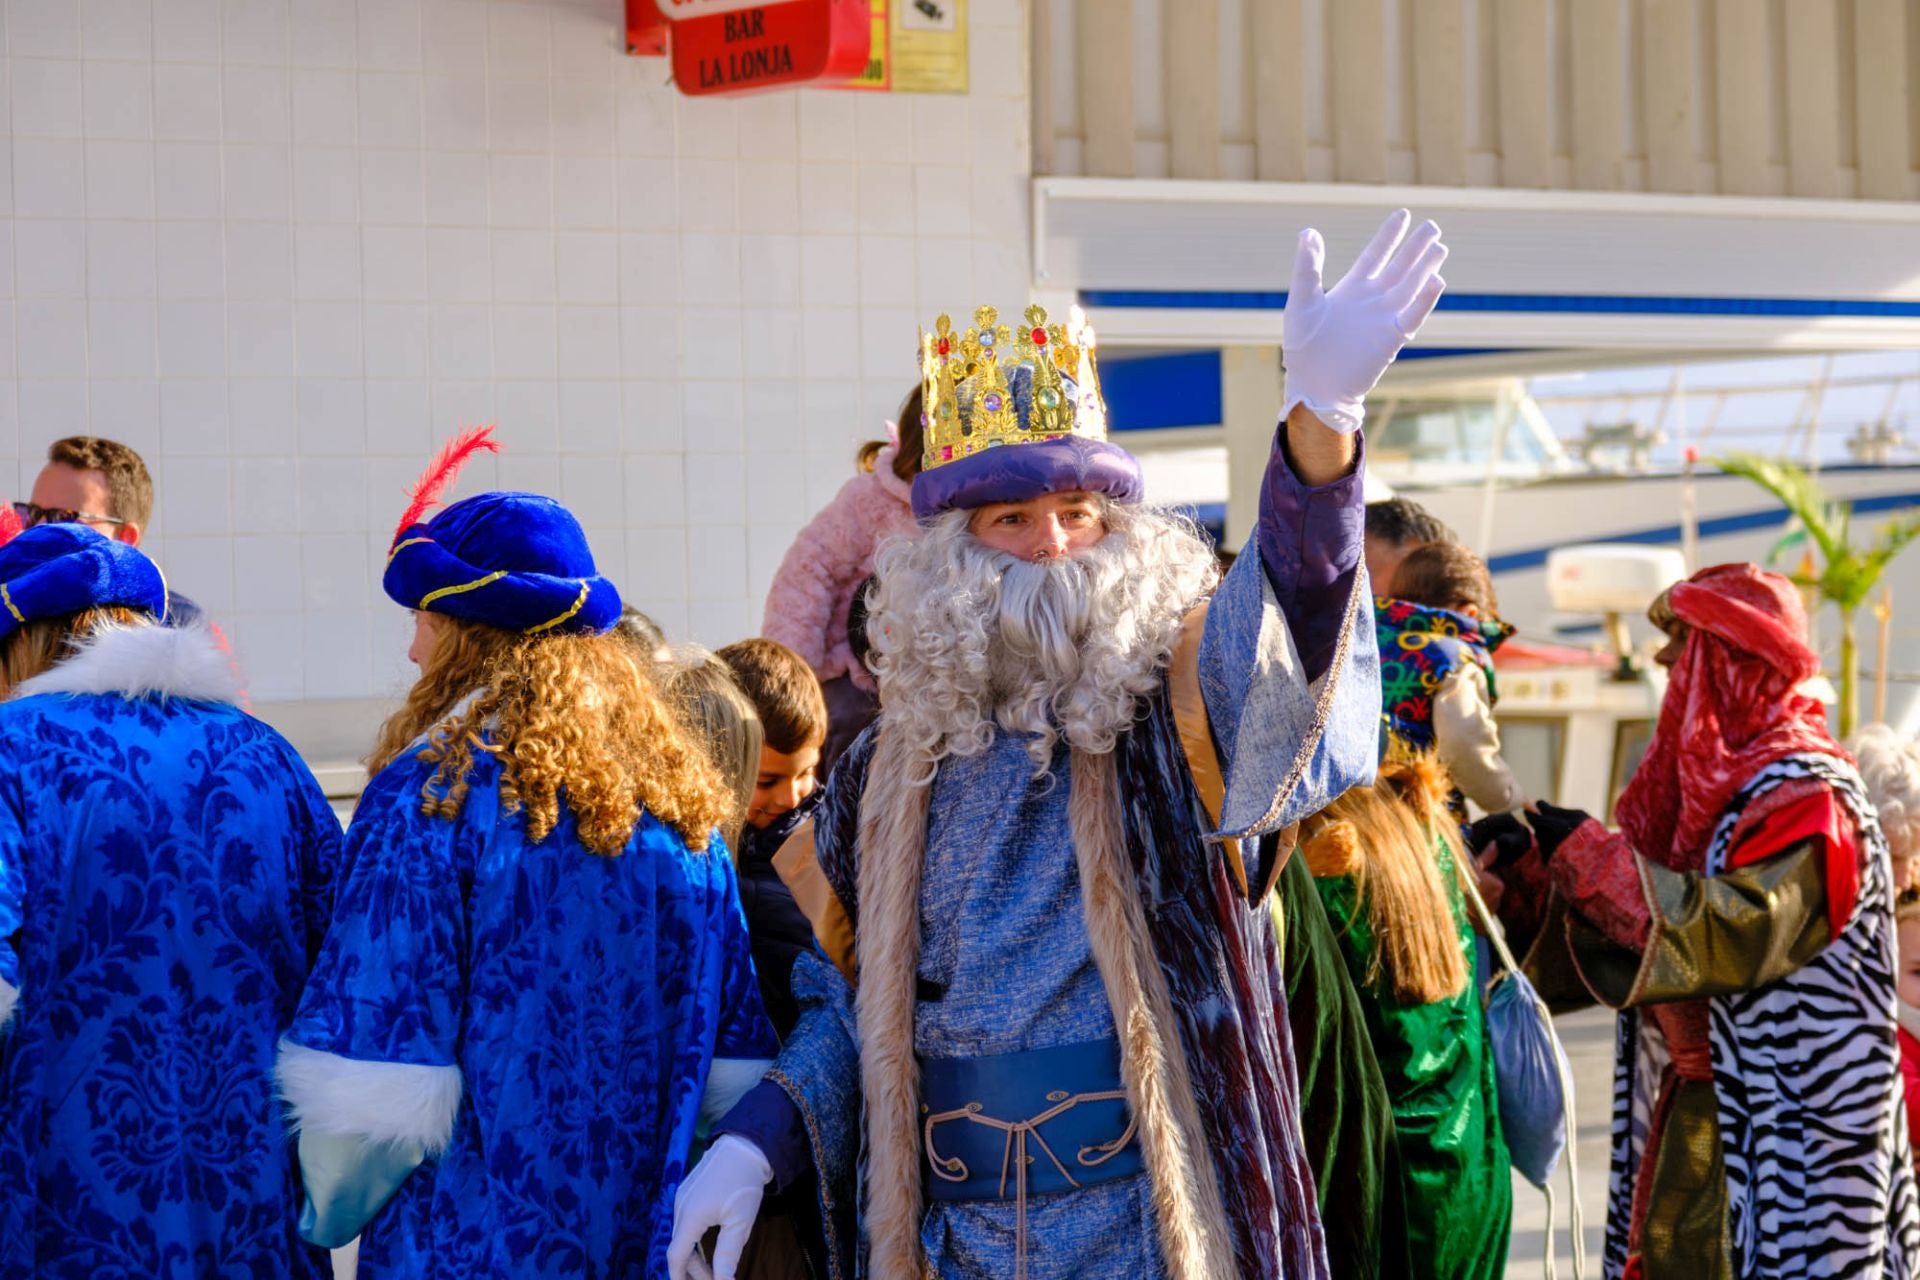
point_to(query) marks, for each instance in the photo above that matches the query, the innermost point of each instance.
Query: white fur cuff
(398, 1102)
(9, 997)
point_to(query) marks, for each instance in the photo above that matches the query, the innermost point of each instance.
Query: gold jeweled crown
(995, 386)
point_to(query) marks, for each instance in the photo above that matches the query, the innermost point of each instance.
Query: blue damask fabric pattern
(583, 999)
(166, 877)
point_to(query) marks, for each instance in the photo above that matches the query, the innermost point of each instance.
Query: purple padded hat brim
(1022, 472)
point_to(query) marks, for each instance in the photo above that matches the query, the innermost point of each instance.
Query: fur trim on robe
(1195, 1239)
(812, 594)
(396, 1102)
(149, 661)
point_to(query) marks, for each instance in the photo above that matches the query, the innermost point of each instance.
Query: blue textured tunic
(165, 875)
(1000, 898)
(583, 999)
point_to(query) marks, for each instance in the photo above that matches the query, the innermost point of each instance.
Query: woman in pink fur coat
(829, 563)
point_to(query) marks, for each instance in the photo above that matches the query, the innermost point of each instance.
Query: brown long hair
(913, 437)
(43, 643)
(572, 712)
(1384, 836)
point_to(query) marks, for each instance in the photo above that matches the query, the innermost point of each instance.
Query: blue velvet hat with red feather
(52, 570)
(516, 561)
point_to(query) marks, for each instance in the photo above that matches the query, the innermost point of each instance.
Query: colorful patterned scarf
(1420, 646)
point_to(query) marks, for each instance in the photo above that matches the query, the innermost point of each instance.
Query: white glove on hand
(1339, 341)
(724, 1190)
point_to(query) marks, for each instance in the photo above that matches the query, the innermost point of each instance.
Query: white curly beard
(966, 640)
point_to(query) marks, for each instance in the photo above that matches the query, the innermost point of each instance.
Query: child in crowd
(784, 724)
(828, 565)
(702, 689)
(1437, 634)
(793, 719)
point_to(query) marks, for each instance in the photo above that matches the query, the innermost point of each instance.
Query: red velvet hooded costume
(1733, 707)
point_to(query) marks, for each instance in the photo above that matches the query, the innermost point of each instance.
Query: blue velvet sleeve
(389, 983)
(818, 1071)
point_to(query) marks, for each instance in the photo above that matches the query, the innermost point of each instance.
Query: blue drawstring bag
(1530, 1071)
(1533, 1079)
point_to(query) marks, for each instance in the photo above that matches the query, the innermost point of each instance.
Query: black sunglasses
(32, 513)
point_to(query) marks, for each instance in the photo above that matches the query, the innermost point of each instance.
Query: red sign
(772, 46)
(646, 29)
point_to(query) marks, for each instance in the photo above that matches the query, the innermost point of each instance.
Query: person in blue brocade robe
(166, 868)
(538, 970)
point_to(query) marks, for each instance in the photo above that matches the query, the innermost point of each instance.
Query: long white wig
(967, 640)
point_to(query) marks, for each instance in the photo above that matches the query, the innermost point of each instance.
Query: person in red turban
(1741, 921)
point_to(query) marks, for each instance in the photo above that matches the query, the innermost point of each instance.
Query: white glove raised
(1339, 341)
(724, 1191)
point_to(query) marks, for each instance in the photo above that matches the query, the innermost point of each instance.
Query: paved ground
(1588, 1036)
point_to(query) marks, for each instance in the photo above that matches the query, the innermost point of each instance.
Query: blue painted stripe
(1182, 389)
(1150, 393)
(1448, 353)
(1718, 527)
(1599, 304)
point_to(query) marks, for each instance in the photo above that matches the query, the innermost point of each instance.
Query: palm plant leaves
(1846, 573)
(1822, 518)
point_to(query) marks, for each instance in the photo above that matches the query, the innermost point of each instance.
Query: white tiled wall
(285, 247)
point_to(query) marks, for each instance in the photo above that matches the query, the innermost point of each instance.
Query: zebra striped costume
(1806, 1072)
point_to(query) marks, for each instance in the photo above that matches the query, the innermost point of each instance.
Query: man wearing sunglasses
(92, 481)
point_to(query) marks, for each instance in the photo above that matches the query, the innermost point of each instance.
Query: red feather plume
(435, 480)
(10, 525)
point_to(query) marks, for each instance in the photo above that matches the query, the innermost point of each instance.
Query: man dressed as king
(1044, 1033)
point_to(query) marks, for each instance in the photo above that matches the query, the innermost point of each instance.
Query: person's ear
(1471, 610)
(128, 533)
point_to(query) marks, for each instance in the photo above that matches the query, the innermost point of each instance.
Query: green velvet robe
(1344, 1109)
(1455, 1173)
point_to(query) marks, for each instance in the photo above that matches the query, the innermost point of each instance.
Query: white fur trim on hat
(399, 1102)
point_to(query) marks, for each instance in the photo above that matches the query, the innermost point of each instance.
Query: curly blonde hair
(559, 712)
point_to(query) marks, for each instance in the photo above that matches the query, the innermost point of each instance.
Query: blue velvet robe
(165, 880)
(581, 998)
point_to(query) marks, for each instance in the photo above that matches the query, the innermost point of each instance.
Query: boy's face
(785, 780)
(1909, 984)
